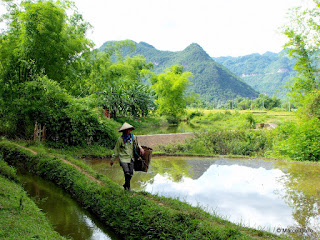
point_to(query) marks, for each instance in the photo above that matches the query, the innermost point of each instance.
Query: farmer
(124, 149)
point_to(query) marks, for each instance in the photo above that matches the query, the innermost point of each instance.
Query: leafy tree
(194, 100)
(41, 39)
(68, 120)
(170, 88)
(262, 102)
(137, 100)
(41, 34)
(301, 141)
(303, 45)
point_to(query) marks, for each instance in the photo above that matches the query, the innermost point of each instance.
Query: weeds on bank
(223, 142)
(20, 218)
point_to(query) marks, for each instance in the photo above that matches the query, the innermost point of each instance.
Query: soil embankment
(162, 139)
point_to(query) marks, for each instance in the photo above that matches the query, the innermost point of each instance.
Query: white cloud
(243, 194)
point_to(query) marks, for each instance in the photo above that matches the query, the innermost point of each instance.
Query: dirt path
(162, 139)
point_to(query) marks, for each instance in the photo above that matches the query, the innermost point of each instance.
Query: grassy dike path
(20, 218)
(132, 215)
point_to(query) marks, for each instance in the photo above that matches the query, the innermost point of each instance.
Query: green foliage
(303, 45)
(121, 100)
(49, 76)
(194, 100)
(6, 170)
(173, 148)
(68, 120)
(117, 84)
(193, 114)
(224, 142)
(226, 120)
(42, 34)
(260, 103)
(170, 88)
(311, 106)
(299, 141)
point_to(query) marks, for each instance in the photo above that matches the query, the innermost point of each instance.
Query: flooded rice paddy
(280, 197)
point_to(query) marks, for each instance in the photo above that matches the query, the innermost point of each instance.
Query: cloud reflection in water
(239, 193)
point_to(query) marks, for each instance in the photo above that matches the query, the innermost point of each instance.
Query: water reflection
(257, 193)
(232, 191)
(66, 216)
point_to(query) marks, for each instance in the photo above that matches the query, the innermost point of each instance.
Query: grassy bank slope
(131, 215)
(20, 218)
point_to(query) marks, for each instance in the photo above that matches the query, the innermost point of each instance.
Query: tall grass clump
(236, 142)
(6, 170)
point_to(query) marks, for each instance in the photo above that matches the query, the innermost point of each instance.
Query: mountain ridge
(267, 73)
(214, 82)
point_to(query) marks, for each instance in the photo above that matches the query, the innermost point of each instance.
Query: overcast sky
(220, 27)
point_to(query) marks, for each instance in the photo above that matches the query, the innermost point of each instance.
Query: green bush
(173, 148)
(298, 141)
(68, 121)
(209, 118)
(239, 142)
(194, 114)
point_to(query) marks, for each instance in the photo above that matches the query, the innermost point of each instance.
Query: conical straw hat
(125, 126)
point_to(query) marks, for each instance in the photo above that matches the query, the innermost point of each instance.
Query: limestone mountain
(214, 82)
(267, 73)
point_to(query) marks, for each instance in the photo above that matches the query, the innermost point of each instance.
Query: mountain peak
(211, 80)
(194, 46)
(146, 45)
(197, 52)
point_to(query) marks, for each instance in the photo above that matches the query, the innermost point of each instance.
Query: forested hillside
(211, 80)
(267, 73)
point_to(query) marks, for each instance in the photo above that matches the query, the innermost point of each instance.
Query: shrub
(299, 141)
(239, 142)
(194, 114)
(68, 120)
(173, 148)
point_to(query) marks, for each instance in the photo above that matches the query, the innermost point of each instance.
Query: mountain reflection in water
(257, 193)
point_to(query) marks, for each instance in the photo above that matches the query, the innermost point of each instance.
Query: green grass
(21, 221)
(233, 119)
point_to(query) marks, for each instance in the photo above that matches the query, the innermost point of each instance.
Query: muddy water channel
(276, 196)
(66, 216)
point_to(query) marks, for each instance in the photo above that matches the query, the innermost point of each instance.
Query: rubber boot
(126, 186)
